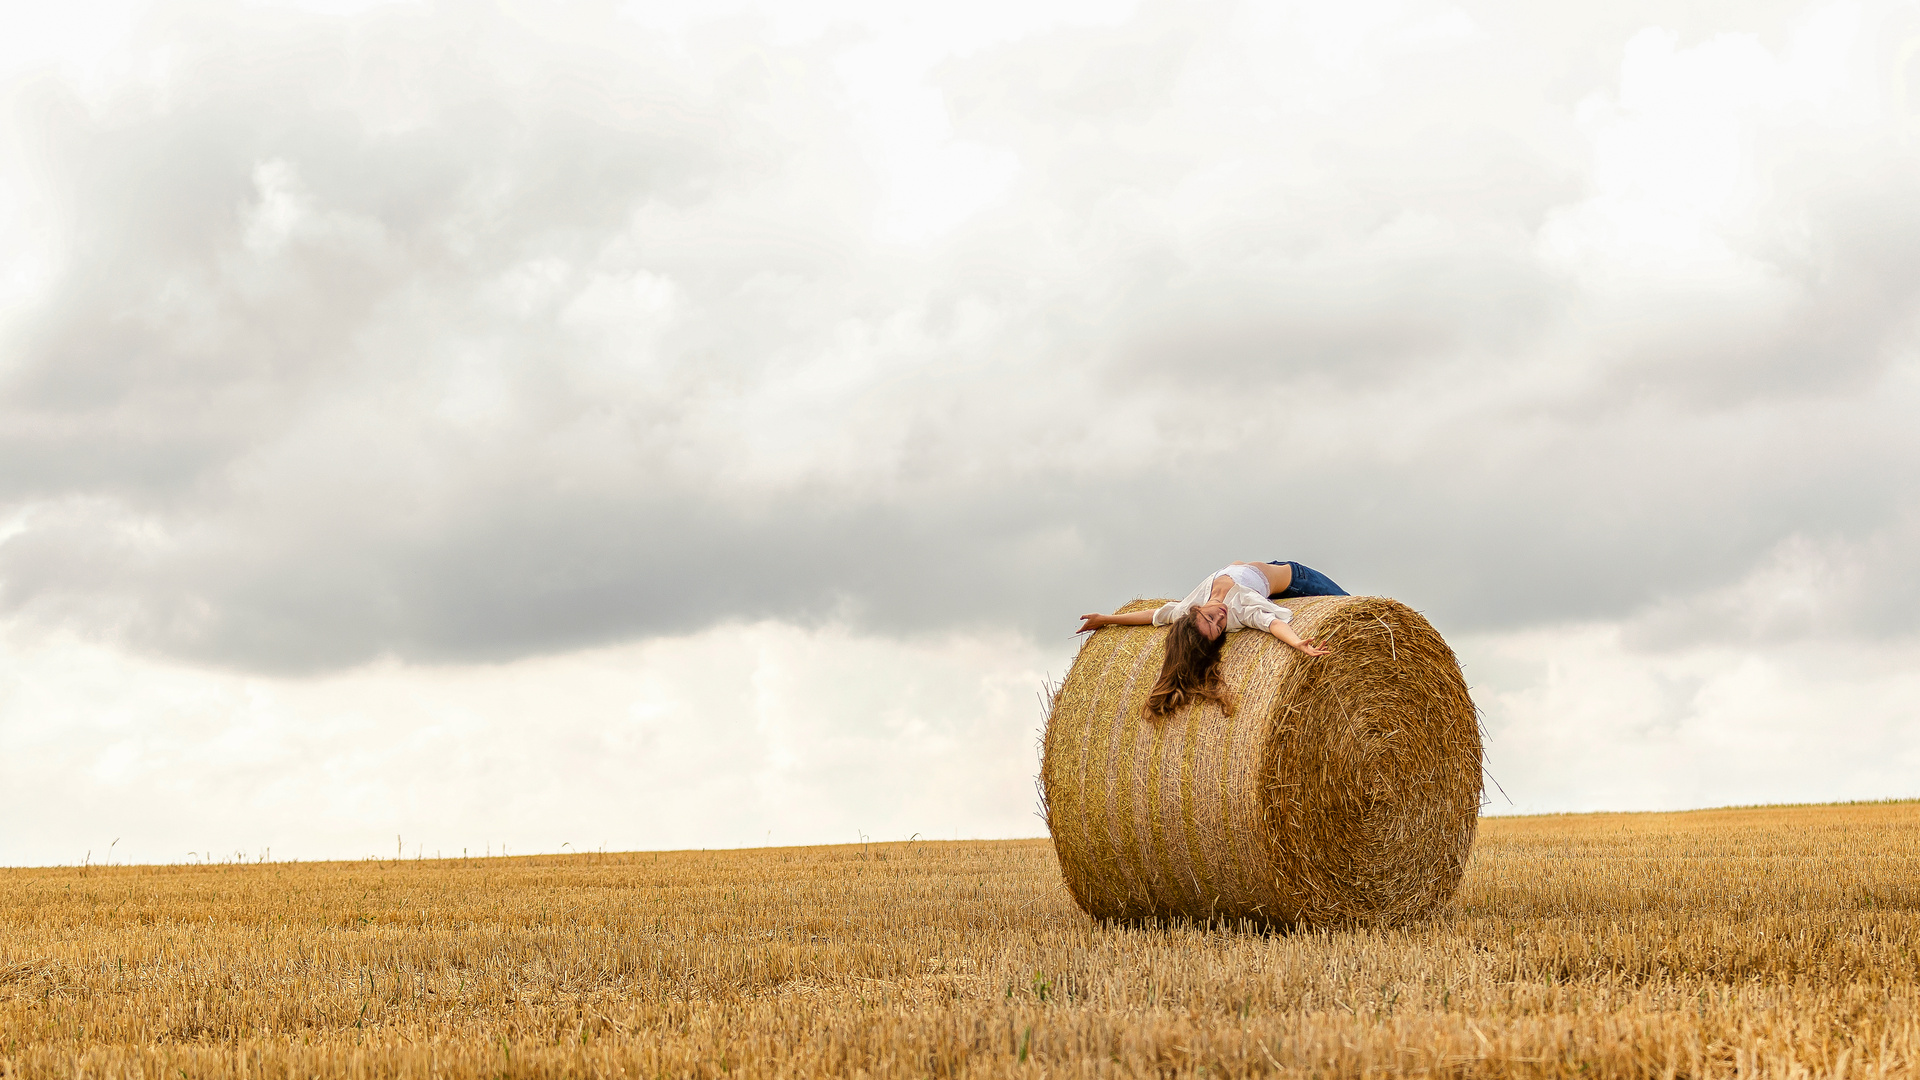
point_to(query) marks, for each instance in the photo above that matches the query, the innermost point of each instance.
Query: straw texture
(1344, 790)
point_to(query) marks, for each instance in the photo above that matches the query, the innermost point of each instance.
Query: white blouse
(1245, 607)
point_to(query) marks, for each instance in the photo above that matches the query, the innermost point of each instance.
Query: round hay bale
(1344, 790)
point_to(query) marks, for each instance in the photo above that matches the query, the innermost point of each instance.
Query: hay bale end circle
(1344, 790)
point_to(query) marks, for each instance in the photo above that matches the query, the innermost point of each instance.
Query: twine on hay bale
(1344, 790)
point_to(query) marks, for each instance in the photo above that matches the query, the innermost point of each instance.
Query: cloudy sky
(472, 425)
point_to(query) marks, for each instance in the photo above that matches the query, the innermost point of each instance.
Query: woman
(1235, 598)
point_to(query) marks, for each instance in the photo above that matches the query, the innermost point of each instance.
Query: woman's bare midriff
(1278, 577)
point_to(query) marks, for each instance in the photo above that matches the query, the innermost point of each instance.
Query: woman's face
(1210, 620)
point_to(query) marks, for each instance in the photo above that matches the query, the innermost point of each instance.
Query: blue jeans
(1307, 582)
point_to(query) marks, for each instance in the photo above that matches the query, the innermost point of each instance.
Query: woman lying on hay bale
(1234, 598)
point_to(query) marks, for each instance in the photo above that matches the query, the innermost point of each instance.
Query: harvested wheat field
(1766, 942)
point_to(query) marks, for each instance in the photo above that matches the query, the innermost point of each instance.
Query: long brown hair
(1191, 671)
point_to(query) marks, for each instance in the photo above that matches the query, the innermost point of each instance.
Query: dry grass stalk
(1344, 789)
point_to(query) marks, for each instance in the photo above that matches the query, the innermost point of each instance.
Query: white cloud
(1585, 718)
(741, 735)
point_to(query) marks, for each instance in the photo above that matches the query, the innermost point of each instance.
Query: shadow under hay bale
(1344, 790)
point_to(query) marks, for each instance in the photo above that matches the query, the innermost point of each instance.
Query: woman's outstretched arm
(1131, 618)
(1286, 633)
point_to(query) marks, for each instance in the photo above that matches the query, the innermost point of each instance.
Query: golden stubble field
(1765, 942)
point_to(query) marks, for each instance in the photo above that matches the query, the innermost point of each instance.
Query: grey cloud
(429, 335)
(1829, 311)
(186, 315)
(1820, 584)
(1353, 318)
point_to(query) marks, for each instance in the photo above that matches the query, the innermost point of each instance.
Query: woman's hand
(1131, 618)
(1285, 633)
